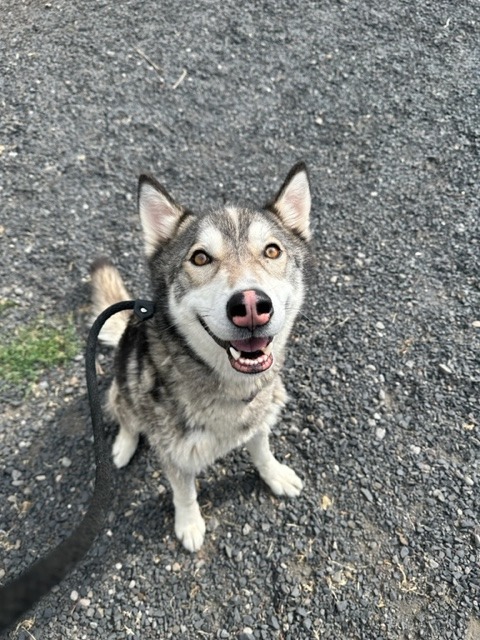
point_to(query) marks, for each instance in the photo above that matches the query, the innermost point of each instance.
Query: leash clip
(144, 309)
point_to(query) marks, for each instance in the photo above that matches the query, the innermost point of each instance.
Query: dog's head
(231, 281)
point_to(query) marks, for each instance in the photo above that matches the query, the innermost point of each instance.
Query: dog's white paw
(282, 480)
(190, 527)
(123, 448)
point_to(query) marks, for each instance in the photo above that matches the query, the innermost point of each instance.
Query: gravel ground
(218, 100)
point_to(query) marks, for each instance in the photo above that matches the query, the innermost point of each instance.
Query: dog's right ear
(159, 213)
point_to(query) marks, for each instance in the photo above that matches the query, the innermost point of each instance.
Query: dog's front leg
(281, 479)
(189, 524)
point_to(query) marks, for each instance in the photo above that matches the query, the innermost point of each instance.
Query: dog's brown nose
(250, 309)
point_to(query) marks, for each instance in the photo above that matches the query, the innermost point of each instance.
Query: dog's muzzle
(250, 355)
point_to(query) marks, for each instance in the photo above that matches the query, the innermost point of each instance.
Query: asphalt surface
(218, 100)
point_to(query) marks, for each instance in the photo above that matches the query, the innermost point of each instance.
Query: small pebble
(445, 369)
(367, 494)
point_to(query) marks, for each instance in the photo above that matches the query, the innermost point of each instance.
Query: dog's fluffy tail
(107, 289)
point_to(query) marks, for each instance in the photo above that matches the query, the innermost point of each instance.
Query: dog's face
(232, 278)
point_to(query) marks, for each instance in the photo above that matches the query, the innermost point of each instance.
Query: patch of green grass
(5, 305)
(35, 348)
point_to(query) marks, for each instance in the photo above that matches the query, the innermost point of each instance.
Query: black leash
(19, 595)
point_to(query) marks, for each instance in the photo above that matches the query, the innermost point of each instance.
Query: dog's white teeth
(268, 349)
(235, 354)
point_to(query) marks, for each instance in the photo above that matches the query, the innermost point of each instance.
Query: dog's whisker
(301, 313)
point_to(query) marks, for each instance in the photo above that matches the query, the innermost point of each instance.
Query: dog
(202, 376)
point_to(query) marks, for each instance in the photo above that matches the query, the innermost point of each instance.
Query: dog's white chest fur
(217, 427)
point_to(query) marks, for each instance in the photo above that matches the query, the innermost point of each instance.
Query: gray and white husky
(203, 375)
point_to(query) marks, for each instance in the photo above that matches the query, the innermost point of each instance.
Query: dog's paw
(190, 527)
(123, 448)
(282, 480)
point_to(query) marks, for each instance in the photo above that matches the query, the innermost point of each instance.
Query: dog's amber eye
(272, 251)
(200, 258)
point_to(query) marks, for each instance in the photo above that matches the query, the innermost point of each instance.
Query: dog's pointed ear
(293, 201)
(159, 213)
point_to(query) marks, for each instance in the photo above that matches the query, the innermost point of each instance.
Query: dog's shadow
(153, 516)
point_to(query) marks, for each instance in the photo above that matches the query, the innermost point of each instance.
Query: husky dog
(202, 376)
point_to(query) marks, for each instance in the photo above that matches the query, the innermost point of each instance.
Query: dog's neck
(251, 397)
(246, 389)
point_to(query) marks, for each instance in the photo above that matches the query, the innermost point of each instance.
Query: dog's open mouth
(252, 355)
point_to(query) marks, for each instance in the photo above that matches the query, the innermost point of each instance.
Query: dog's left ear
(292, 203)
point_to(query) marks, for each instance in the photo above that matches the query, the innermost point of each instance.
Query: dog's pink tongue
(250, 345)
